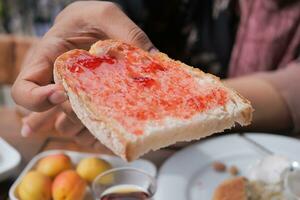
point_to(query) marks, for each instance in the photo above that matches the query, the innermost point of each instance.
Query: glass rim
(120, 169)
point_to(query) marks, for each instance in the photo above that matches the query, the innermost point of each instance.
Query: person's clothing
(268, 37)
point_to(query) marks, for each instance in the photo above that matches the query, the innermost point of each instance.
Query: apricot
(54, 164)
(35, 186)
(68, 185)
(90, 168)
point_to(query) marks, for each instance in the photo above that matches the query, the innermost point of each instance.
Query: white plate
(9, 160)
(141, 164)
(188, 174)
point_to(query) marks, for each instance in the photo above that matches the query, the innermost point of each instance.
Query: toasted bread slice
(232, 189)
(134, 101)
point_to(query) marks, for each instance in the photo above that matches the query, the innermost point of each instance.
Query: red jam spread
(132, 87)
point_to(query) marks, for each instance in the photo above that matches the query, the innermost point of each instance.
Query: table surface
(10, 125)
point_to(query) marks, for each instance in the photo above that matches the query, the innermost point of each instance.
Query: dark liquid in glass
(137, 195)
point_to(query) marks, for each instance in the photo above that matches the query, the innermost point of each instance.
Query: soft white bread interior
(156, 135)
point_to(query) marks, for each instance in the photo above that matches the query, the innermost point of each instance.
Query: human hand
(56, 119)
(78, 26)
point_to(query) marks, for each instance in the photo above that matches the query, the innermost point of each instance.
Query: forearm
(271, 112)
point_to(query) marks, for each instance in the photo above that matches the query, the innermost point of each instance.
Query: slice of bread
(232, 189)
(134, 101)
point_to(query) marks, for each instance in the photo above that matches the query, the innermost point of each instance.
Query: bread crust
(129, 146)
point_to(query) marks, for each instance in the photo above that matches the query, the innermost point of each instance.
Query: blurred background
(29, 17)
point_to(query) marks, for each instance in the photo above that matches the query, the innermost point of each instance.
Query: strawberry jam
(90, 62)
(133, 87)
(145, 81)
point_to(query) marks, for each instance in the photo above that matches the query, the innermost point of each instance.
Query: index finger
(33, 88)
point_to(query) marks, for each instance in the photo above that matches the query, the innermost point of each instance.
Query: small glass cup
(123, 180)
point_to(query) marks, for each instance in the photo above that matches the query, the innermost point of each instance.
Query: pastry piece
(232, 189)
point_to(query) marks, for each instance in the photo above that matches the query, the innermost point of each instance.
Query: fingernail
(26, 130)
(153, 50)
(58, 97)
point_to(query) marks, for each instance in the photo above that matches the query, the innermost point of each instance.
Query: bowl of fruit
(60, 175)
